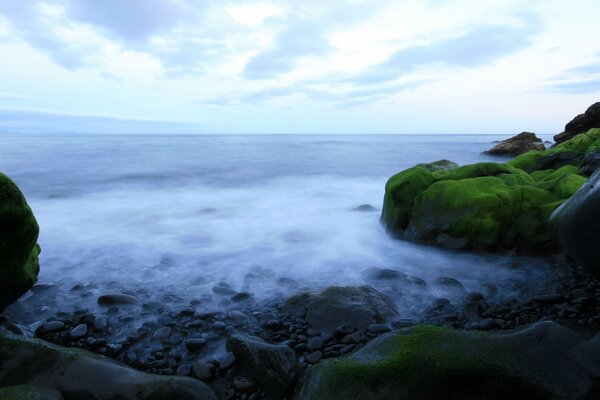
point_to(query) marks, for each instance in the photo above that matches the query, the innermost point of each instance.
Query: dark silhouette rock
(581, 123)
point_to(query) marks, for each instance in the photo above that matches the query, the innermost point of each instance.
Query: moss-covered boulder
(543, 361)
(18, 249)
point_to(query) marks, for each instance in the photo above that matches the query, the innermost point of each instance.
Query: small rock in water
(488, 324)
(238, 317)
(404, 323)
(79, 331)
(314, 357)
(100, 323)
(116, 299)
(187, 311)
(242, 296)
(223, 289)
(195, 344)
(365, 208)
(315, 343)
(162, 333)
(48, 327)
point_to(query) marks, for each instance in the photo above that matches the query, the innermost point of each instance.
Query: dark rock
(378, 328)
(576, 224)
(314, 357)
(162, 333)
(365, 208)
(244, 384)
(519, 144)
(335, 306)
(274, 366)
(204, 370)
(79, 331)
(242, 296)
(591, 162)
(29, 392)
(18, 248)
(78, 374)
(581, 123)
(195, 344)
(227, 362)
(116, 299)
(315, 343)
(48, 327)
(223, 290)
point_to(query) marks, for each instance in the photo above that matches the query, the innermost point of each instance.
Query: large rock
(486, 206)
(336, 306)
(519, 144)
(19, 231)
(29, 392)
(542, 361)
(274, 366)
(78, 374)
(577, 224)
(581, 123)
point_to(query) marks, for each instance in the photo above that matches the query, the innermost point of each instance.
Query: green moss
(507, 173)
(440, 165)
(18, 250)
(400, 192)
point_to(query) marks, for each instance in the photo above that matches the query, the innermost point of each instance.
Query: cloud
(21, 120)
(577, 87)
(582, 79)
(476, 47)
(300, 38)
(13, 96)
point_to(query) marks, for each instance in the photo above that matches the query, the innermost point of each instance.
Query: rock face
(274, 366)
(516, 145)
(78, 374)
(542, 361)
(581, 123)
(335, 306)
(577, 227)
(19, 231)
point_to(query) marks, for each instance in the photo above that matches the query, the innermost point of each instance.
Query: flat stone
(116, 299)
(162, 333)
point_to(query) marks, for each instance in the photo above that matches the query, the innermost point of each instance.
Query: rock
(29, 392)
(241, 296)
(18, 248)
(315, 343)
(581, 123)
(195, 344)
(204, 370)
(48, 327)
(364, 208)
(238, 317)
(334, 306)
(544, 360)
(100, 323)
(590, 164)
(79, 331)
(448, 287)
(83, 375)
(378, 328)
(274, 366)
(162, 333)
(223, 290)
(314, 357)
(519, 144)
(116, 299)
(576, 225)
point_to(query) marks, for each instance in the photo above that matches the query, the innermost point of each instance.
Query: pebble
(203, 370)
(162, 333)
(314, 357)
(116, 299)
(242, 296)
(48, 327)
(195, 344)
(238, 317)
(79, 331)
(315, 343)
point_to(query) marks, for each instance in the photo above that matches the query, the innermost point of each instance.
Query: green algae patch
(18, 249)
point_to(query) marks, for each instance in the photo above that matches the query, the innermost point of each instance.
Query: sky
(232, 66)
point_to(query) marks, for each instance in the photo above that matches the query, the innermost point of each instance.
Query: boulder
(274, 366)
(581, 123)
(590, 163)
(486, 206)
(334, 306)
(29, 392)
(576, 224)
(79, 374)
(19, 251)
(541, 361)
(519, 144)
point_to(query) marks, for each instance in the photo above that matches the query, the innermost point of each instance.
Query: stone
(195, 344)
(18, 244)
(274, 366)
(100, 323)
(112, 299)
(576, 225)
(581, 123)
(314, 357)
(83, 375)
(334, 306)
(79, 331)
(204, 370)
(315, 343)
(48, 327)
(29, 392)
(365, 208)
(519, 144)
(541, 361)
(162, 333)
(590, 163)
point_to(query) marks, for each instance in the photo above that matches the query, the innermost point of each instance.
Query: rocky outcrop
(516, 145)
(19, 251)
(577, 227)
(274, 366)
(581, 123)
(335, 306)
(542, 361)
(78, 374)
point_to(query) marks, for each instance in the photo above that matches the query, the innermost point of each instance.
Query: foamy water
(180, 214)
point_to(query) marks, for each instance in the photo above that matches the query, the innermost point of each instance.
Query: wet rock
(519, 144)
(378, 328)
(29, 392)
(274, 366)
(238, 317)
(581, 123)
(48, 327)
(116, 299)
(195, 344)
(244, 384)
(314, 357)
(365, 208)
(448, 287)
(223, 289)
(204, 370)
(335, 306)
(79, 331)
(162, 333)
(242, 296)
(315, 343)
(228, 361)
(80, 374)
(184, 370)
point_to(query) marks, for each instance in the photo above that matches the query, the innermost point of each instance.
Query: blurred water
(181, 213)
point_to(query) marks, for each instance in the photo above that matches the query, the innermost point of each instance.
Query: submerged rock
(18, 248)
(577, 225)
(274, 366)
(335, 306)
(364, 208)
(542, 361)
(80, 374)
(581, 123)
(519, 144)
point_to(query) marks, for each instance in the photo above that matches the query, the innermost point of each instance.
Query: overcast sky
(418, 66)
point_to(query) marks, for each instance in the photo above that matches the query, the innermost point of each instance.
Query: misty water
(169, 215)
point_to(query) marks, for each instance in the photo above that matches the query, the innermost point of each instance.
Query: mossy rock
(29, 392)
(19, 231)
(542, 361)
